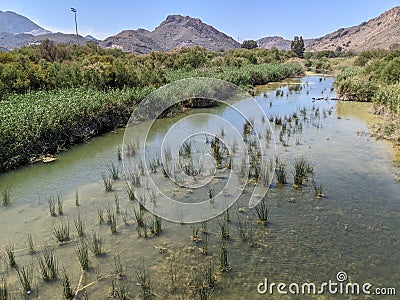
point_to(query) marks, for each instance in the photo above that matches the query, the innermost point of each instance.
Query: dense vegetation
(375, 77)
(52, 96)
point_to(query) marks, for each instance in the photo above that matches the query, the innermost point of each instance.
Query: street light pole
(76, 25)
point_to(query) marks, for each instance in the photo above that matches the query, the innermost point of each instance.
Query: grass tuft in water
(31, 244)
(82, 252)
(9, 249)
(61, 232)
(156, 227)
(100, 216)
(118, 268)
(301, 168)
(107, 183)
(281, 173)
(318, 189)
(113, 226)
(79, 225)
(60, 205)
(224, 225)
(51, 202)
(3, 289)
(262, 212)
(48, 264)
(76, 198)
(25, 276)
(68, 293)
(97, 244)
(204, 247)
(144, 281)
(6, 197)
(223, 258)
(113, 171)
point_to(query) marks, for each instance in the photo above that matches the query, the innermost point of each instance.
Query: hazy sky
(241, 19)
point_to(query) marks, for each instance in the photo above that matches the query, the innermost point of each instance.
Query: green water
(355, 228)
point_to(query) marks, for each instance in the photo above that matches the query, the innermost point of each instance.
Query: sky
(241, 19)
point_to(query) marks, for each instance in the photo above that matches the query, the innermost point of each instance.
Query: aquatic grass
(100, 215)
(51, 202)
(223, 258)
(9, 250)
(25, 276)
(119, 154)
(118, 291)
(204, 246)
(262, 212)
(281, 172)
(76, 198)
(6, 197)
(60, 205)
(118, 268)
(318, 189)
(113, 171)
(3, 289)
(156, 226)
(116, 201)
(144, 281)
(31, 244)
(82, 253)
(113, 225)
(195, 237)
(61, 231)
(97, 244)
(301, 167)
(68, 293)
(107, 183)
(48, 264)
(79, 225)
(224, 226)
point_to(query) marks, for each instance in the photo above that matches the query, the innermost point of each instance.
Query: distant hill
(14, 23)
(278, 42)
(382, 32)
(174, 32)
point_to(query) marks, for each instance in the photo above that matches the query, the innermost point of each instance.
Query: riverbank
(41, 123)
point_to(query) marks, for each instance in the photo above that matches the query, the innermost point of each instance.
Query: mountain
(278, 42)
(174, 32)
(57, 38)
(382, 32)
(14, 23)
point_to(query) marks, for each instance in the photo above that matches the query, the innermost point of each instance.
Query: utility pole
(76, 26)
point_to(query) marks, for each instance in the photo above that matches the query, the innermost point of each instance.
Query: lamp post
(76, 25)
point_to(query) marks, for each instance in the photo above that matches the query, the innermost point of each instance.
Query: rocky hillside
(175, 32)
(278, 42)
(382, 32)
(14, 23)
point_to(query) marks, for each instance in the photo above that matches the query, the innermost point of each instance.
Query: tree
(249, 44)
(297, 46)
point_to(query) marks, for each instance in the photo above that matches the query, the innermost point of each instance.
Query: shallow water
(354, 229)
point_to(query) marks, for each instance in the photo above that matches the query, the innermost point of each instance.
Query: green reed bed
(42, 122)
